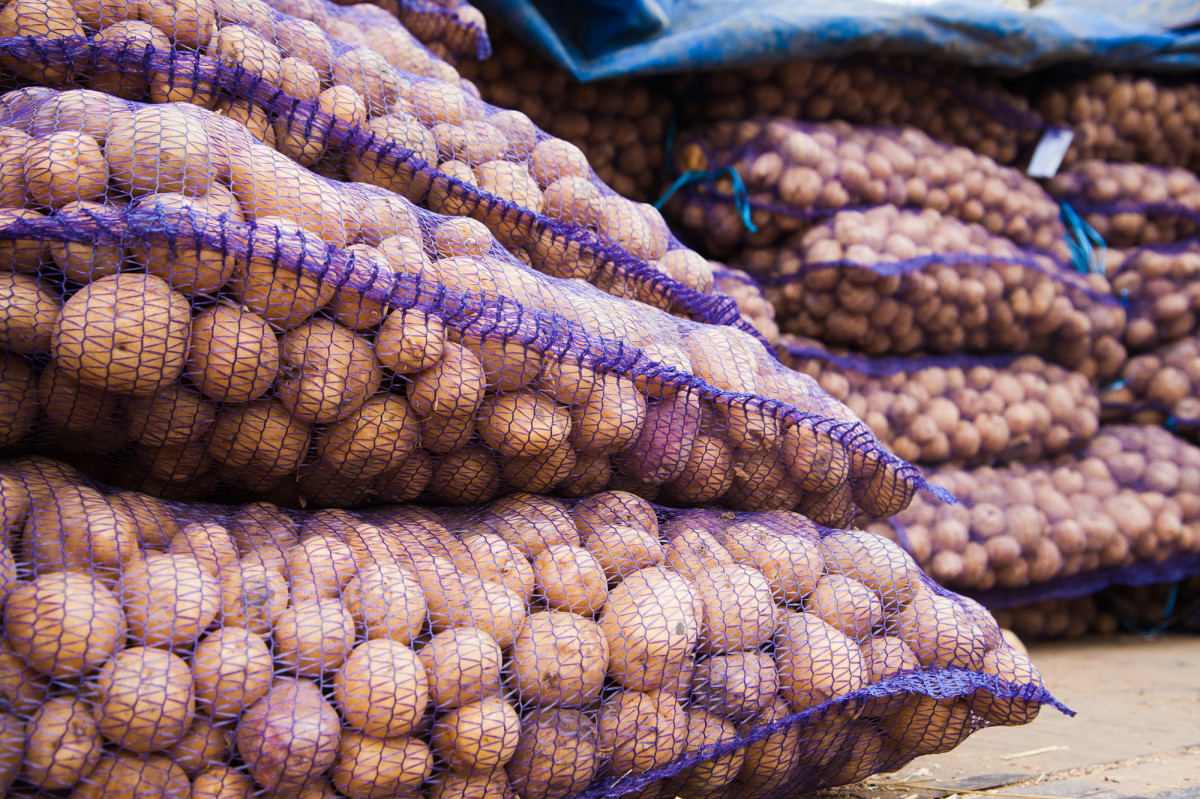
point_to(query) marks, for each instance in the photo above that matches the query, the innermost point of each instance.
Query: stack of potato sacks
(286, 260)
(930, 288)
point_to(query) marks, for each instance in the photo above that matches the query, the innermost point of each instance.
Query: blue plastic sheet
(606, 38)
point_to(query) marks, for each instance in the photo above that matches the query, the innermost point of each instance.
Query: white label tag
(1051, 150)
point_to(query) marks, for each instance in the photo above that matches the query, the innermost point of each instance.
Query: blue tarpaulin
(606, 38)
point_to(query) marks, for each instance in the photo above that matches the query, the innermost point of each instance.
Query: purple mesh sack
(529, 647)
(1160, 291)
(794, 173)
(1132, 205)
(888, 281)
(1123, 511)
(357, 111)
(288, 327)
(451, 28)
(621, 125)
(951, 103)
(1159, 387)
(1124, 117)
(954, 409)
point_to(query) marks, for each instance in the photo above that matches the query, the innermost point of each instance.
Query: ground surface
(1137, 732)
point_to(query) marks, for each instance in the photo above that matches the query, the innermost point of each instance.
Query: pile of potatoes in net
(531, 645)
(957, 410)
(949, 102)
(620, 125)
(218, 314)
(358, 111)
(1159, 387)
(893, 281)
(1132, 205)
(1128, 501)
(794, 172)
(451, 29)
(1124, 117)
(1160, 288)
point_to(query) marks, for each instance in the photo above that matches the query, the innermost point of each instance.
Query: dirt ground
(1136, 733)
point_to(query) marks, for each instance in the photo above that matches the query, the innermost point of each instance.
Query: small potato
(791, 560)
(18, 399)
(846, 605)
(557, 755)
(815, 662)
(299, 79)
(261, 434)
(314, 636)
(571, 578)
(78, 529)
(204, 744)
(706, 475)
(652, 629)
(1012, 667)
(438, 102)
(737, 686)
(188, 23)
(508, 364)
(692, 550)
(373, 439)
(24, 689)
(28, 314)
(191, 270)
(54, 19)
(255, 598)
(386, 601)
(610, 419)
(63, 744)
(233, 357)
(461, 600)
(531, 523)
(705, 729)
(277, 294)
(126, 333)
(466, 476)
(169, 600)
(160, 148)
(554, 159)
(739, 612)
(209, 543)
(379, 163)
(463, 666)
(65, 167)
(523, 424)
(478, 737)
(80, 261)
(378, 768)
(409, 341)
(128, 775)
(293, 711)
(452, 785)
(622, 551)
(454, 385)
(144, 699)
(382, 688)
(495, 560)
(237, 46)
(232, 670)
(926, 726)
(937, 635)
(642, 731)
(170, 418)
(304, 40)
(560, 658)
(661, 452)
(328, 372)
(540, 473)
(875, 562)
(369, 74)
(222, 782)
(613, 508)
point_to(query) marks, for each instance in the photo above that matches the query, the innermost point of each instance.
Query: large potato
(144, 699)
(641, 731)
(652, 628)
(557, 755)
(463, 666)
(382, 688)
(28, 314)
(232, 670)
(815, 662)
(63, 744)
(560, 658)
(289, 736)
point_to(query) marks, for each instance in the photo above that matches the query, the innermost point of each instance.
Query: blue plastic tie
(1172, 424)
(1087, 246)
(1123, 296)
(1172, 598)
(741, 198)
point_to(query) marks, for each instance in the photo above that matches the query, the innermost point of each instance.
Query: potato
(144, 699)
(557, 754)
(622, 551)
(531, 523)
(328, 372)
(936, 633)
(739, 612)
(461, 600)
(233, 356)
(28, 314)
(262, 435)
(706, 475)
(314, 636)
(560, 659)
(452, 785)
(64, 624)
(382, 688)
(369, 74)
(706, 729)
(665, 443)
(232, 670)
(477, 737)
(209, 543)
(875, 562)
(613, 507)
(846, 605)
(386, 602)
(790, 559)
(65, 167)
(24, 689)
(169, 600)
(736, 686)
(495, 560)
(294, 711)
(466, 476)
(925, 726)
(79, 530)
(55, 19)
(815, 662)
(463, 666)
(190, 269)
(160, 148)
(571, 578)
(253, 596)
(125, 333)
(63, 744)
(205, 743)
(1012, 667)
(125, 775)
(651, 626)
(540, 473)
(455, 384)
(409, 341)
(18, 398)
(222, 782)
(523, 424)
(170, 418)
(79, 416)
(382, 161)
(375, 768)
(642, 731)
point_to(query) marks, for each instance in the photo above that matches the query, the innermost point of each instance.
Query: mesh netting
(891, 281)
(586, 649)
(948, 101)
(1124, 117)
(360, 111)
(621, 125)
(956, 409)
(1159, 387)
(1124, 510)
(1132, 205)
(1159, 289)
(450, 28)
(433, 352)
(796, 172)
